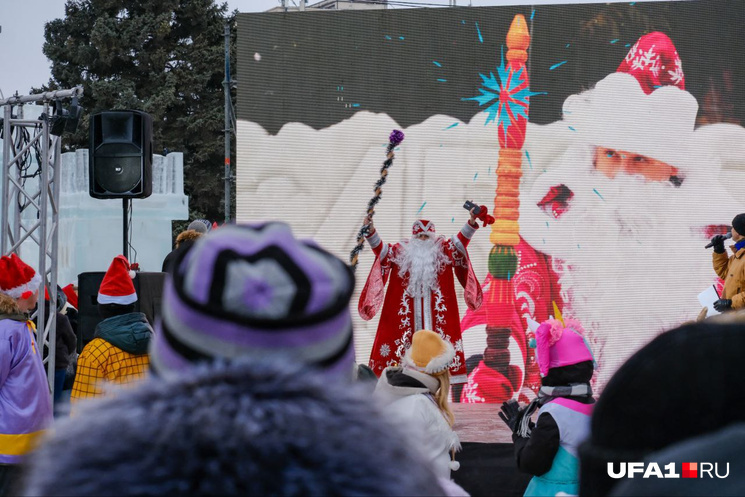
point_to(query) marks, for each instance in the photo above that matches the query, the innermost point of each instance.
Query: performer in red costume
(634, 169)
(421, 292)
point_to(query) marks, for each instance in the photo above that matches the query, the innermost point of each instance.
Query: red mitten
(484, 216)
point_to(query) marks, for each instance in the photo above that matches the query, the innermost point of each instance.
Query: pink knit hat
(559, 345)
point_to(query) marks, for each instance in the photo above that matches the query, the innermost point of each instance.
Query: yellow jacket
(732, 270)
(102, 362)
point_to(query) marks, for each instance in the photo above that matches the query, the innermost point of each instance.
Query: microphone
(726, 237)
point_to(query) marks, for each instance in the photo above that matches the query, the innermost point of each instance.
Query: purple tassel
(397, 136)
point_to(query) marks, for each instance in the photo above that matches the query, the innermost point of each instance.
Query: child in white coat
(416, 397)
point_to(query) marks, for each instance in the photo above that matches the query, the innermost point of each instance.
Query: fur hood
(266, 428)
(8, 305)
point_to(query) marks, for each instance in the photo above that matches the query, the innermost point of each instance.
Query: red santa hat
(423, 226)
(643, 108)
(654, 62)
(117, 286)
(72, 296)
(17, 279)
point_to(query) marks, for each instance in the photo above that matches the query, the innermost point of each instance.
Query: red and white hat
(17, 279)
(642, 108)
(117, 286)
(423, 226)
(654, 62)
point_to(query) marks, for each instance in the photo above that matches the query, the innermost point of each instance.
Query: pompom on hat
(253, 292)
(117, 286)
(428, 353)
(17, 279)
(557, 345)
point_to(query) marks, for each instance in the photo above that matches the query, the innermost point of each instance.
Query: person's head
(632, 170)
(251, 292)
(71, 292)
(423, 230)
(247, 428)
(631, 162)
(563, 353)
(117, 294)
(432, 355)
(677, 387)
(107, 311)
(188, 236)
(19, 281)
(201, 226)
(61, 301)
(738, 227)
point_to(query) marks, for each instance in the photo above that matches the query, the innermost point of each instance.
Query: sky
(23, 65)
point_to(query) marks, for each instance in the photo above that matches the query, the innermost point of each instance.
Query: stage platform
(480, 423)
(487, 461)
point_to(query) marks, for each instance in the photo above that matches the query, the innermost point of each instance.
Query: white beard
(422, 261)
(630, 264)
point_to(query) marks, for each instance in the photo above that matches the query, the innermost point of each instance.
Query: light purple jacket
(25, 403)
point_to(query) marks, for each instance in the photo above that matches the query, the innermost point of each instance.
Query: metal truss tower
(30, 193)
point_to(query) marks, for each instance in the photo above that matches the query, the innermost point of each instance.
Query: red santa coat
(402, 315)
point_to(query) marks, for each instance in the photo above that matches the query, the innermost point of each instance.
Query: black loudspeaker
(120, 160)
(149, 288)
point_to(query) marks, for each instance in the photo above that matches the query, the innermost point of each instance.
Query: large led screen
(609, 148)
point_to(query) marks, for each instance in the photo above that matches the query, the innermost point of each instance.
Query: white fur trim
(442, 361)
(374, 239)
(458, 245)
(467, 231)
(121, 299)
(618, 114)
(458, 378)
(384, 252)
(30, 286)
(454, 465)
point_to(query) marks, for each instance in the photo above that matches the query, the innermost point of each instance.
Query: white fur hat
(618, 114)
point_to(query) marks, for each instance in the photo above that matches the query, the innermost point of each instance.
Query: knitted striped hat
(252, 291)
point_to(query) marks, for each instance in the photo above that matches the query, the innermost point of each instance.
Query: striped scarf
(545, 394)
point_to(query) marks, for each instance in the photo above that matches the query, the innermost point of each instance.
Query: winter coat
(117, 354)
(410, 404)
(732, 270)
(184, 241)
(66, 340)
(25, 401)
(550, 453)
(66, 344)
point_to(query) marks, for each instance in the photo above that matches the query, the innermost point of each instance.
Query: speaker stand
(125, 227)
